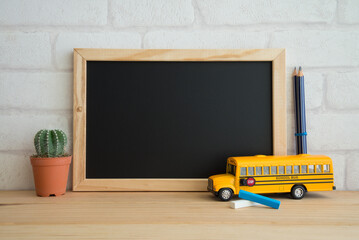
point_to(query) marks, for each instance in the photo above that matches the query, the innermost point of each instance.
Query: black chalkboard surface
(175, 119)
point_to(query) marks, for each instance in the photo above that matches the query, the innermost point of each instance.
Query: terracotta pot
(50, 175)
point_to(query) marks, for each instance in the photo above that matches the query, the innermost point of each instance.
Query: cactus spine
(50, 143)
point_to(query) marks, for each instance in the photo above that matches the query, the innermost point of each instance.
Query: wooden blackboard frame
(82, 55)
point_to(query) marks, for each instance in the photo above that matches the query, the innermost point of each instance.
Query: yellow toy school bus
(274, 174)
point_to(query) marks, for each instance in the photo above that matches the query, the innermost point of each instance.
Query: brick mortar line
(109, 15)
(325, 104)
(333, 111)
(34, 70)
(198, 16)
(280, 26)
(327, 69)
(336, 151)
(68, 113)
(18, 151)
(39, 70)
(53, 50)
(345, 184)
(336, 16)
(25, 111)
(314, 152)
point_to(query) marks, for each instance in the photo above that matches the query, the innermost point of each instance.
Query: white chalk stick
(242, 204)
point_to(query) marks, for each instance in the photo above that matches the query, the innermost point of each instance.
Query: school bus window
(243, 171)
(304, 168)
(296, 169)
(289, 170)
(258, 170)
(265, 170)
(250, 171)
(273, 170)
(231, 169)
(281, 169)
(319, 168)
(311, 168)
(326, 168)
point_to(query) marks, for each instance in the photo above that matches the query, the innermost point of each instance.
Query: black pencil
(303, 128)
(296, 110)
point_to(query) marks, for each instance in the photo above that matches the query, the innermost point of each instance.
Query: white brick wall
(348, 11)
(15, 172)
(332, 131)
(352, 171)
(313, 48)
(36, 90)
(234, 12)
(127, 13)
(343, 90)
(339, 169)
(25, 50)
(66, 42)
(37, 38)
(50, 12)
(18, 130)
(205, 39)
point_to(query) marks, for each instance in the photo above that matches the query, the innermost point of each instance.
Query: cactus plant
(50, 143)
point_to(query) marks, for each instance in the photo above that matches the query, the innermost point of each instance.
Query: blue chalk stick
(259, 199)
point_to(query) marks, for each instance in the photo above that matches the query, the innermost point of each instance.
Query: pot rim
(56, 161)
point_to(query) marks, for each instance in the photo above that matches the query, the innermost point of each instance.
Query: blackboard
(165, 120)
(175, 119)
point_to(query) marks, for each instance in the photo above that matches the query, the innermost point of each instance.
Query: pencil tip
(295, 72)
(300, 68)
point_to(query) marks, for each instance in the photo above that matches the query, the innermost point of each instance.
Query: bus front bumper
(212, 191)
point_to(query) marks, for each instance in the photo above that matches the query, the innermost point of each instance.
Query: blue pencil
(299, 99)
(259, 199)
(303, 130)
(299, 113)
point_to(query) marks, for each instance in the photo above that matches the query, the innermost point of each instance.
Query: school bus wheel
(225, 194)
(298, 192)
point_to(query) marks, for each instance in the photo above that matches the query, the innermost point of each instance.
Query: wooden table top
(175, 215)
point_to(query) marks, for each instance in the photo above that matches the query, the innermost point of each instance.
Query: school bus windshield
(231, 169)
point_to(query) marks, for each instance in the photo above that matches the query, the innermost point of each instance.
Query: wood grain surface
(175, 215)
